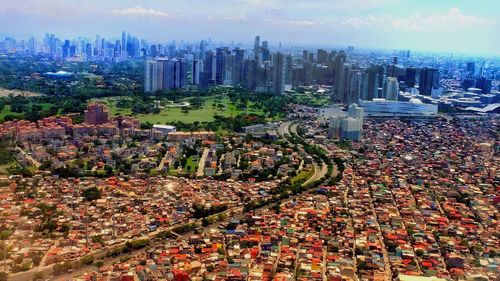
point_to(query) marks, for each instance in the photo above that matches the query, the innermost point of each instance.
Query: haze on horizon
(461, 26)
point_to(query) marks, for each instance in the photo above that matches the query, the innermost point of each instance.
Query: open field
(169, 114)
(7, 92)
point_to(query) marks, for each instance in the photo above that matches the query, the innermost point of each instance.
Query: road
(201, 164)
(29, 157)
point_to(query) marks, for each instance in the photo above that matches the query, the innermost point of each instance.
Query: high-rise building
(251, 70)
(411, 77)
(151, 76)
(347, 126)
(279, 73)
(470, 67)
(239, 58)
(196, 72)
(322, 56)
(220, 53)
(256, 47)
(354, 87)
(228, 69)
(429, 79)
(340, 75)
(305, 56)
(484, 84)
(391, 89)
(96, 114)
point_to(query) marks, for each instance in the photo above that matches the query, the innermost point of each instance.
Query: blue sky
(471, 26)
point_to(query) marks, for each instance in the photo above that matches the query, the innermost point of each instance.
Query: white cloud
(235, 18)
(139, 11)
(295, 23)
(452, 19)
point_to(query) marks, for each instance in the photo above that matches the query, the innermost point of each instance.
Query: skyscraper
(219, 69)
(391, 89)
(151, 76)
(322, 56)
(411, 77)
(279, 71)
(429, 79)
(354, 89)
(340, 75)
(256, 47)
(239, 57)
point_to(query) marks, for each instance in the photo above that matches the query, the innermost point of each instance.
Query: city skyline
(447, 26)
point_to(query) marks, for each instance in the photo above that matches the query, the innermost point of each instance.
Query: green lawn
(193, 163)
(6, 111)
(171, 114)
(303, 175)
(3, 169)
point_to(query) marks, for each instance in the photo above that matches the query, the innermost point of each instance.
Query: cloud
(235, 18)
(452, 19)
(295, 23)
(139, 11)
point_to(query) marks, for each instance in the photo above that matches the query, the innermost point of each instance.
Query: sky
(463, 26)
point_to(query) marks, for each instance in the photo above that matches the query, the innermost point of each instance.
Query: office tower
(257, 42)
(429, 79)
(470, 67)
(52, 45)
(468, 83)
(151, 76)
(279, 70)
(395, 71)
(322, 56)
(288, 70)
(96, 114)
(124, 45)
(72, 51)
(196, 72)
(410, 77)
(265, 45)
(265, 54)
(305, 56)
(65, 49)
(88, 51)
(250, 74)
(174, 74)
(484, 84)
(354, 87)
(227, 69)
(32, 46)
(340, 75)
(239, 58)
(256, 47)
(220, 53)
(391, 89)
(209, 67)
(371, 81)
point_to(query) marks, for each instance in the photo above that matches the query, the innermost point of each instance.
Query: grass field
(6, 111)
(193, 163)
(171, 114)
(3, 169)
(303, 175)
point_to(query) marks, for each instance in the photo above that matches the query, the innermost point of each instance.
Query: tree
(92, 193)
